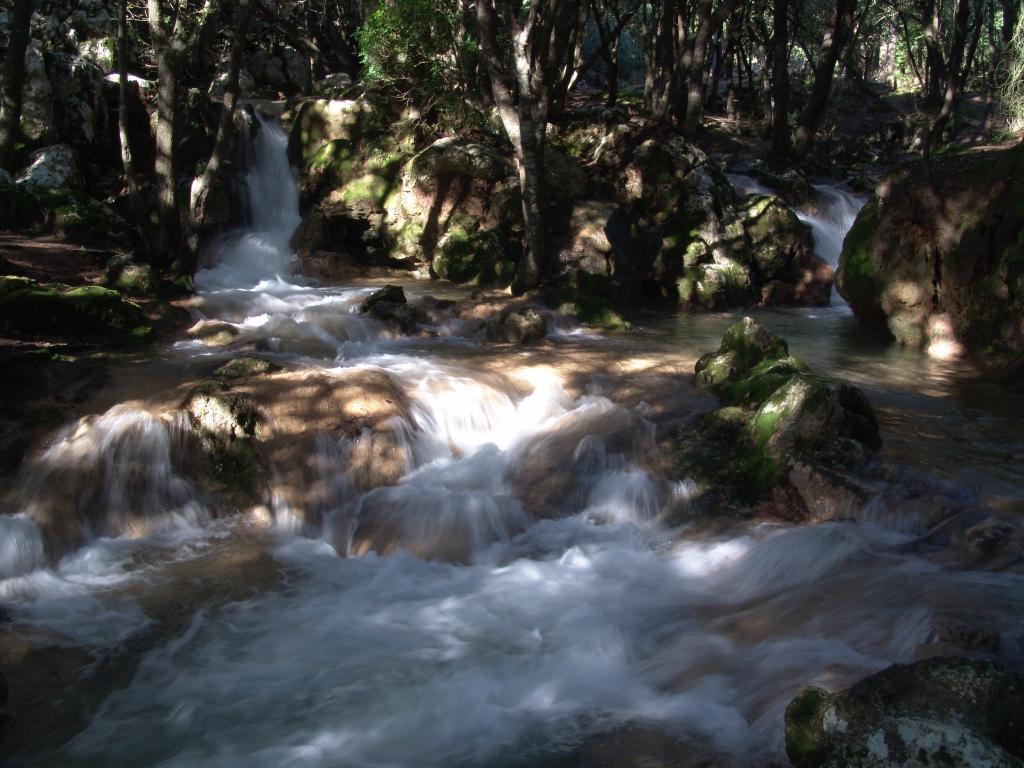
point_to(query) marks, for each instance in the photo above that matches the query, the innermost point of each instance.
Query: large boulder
(780, 424)
(321, 121)
(940, 266)
(948, 711)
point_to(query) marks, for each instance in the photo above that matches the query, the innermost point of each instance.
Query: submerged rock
(944, 712)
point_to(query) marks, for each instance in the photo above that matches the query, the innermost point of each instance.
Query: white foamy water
(837, 210)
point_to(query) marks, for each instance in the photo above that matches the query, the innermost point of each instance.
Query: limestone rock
(52, 168)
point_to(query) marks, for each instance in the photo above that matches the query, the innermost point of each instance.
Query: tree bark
(14, 78)
(832, 48)
(540, 43)
(954, 78)
(780, 79)
(202, 188)
(131, 178)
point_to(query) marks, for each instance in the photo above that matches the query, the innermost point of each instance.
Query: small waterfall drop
(261, 252)
(837, 209)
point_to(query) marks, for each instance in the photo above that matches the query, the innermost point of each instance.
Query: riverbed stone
(948, 711)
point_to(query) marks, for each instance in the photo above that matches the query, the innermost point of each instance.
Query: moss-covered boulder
(79, 314)
(941, 712)
(940, 265)
(778, 415)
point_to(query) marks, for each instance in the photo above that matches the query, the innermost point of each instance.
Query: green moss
(37, 308)
(858, 277)
(806, 742)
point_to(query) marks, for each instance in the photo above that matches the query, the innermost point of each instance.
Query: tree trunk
(522, 94)
(613, 74)
(780, 79)
(14, 77)
(212, 181)
(131, 178)
(832, 48)
(954, 80)
(529, 154)
(708, 23)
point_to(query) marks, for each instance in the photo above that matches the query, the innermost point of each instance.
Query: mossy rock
(941, 712)
(779, 412)
(130, 278)
(857, 278)
(745, 345)
(73, 313)
(472, 256)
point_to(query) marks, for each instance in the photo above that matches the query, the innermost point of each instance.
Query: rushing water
(550, 606)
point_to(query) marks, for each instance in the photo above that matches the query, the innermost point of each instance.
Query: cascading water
(510, 592)
(837, 209)
(260, 253)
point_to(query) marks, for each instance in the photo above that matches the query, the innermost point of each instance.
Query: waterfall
(261, 252)
(837, 209)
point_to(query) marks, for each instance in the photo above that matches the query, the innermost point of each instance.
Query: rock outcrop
(940, 266)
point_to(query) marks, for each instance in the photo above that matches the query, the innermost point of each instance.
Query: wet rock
(227, 426)
(219, 413)
(392, 294)
(52, 168)
(831, 495)
(937, 712)
(243, 367)
(214, 333)
(940, 266)
(807, 412)
(517, 325)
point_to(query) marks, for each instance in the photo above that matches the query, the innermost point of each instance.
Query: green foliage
(415, 47)
(1013, 86)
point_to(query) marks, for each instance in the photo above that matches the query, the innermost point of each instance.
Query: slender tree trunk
(14, 78)
(832, 49)
(131, 178)
(955, 77)
(168, 208)
(613, 74)
(707, 25)
(225, 125)
(780, 79)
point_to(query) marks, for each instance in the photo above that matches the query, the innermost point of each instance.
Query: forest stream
(439, 619)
